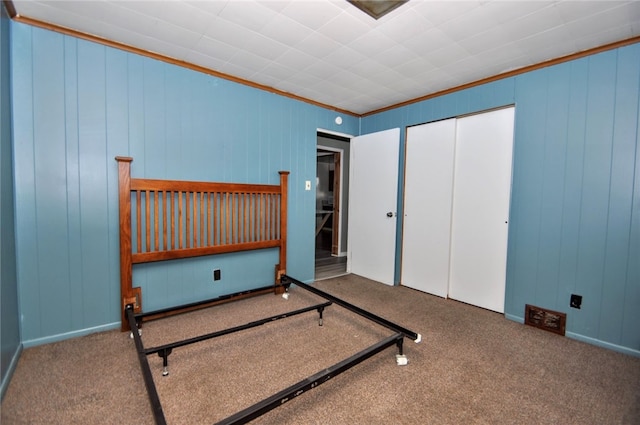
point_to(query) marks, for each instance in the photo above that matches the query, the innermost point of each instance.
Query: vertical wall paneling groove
(76, 106)
(9, 308)
(24, 176)
(572, 179)
(554, 161)
(574, 226)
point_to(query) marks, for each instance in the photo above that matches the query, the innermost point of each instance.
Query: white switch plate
(307, 185)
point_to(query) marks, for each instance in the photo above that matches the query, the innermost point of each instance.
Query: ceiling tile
(318, 45)
(296, 59)
(406, 25)
(263, 46)
(344, 28)
(440, 11)
(372, 43)
(415, 67)
(251, 15)
(538, 21)
(285, 30)
(214, 48)
(395, 56)
(506, 11)
(469, 24)
(312, 14)
(448, 54)
(431, 40)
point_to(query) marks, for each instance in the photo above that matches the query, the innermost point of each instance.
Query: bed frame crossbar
(165, 350)
(288, 280)
(158, 314)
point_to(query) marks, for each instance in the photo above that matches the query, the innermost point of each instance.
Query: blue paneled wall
(575, 207)
(575, 213)
(77, 105)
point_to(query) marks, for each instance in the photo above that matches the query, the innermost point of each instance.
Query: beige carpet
(473, 367)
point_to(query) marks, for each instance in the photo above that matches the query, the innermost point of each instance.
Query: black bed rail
(288, 280)
(199, 304)
(156, 406)
(309, 383)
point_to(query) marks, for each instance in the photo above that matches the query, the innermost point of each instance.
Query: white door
(481, 197)
(428, 189)
(373, 195)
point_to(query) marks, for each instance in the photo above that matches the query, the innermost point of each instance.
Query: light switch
(307, 185)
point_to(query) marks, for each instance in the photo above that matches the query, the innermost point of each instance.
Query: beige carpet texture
(473, 366)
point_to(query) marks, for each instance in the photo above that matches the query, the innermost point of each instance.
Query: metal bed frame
(252, 412)
(170, 219)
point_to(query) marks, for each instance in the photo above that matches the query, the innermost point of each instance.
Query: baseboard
(603, 344)
(69, 335)
(514, 318)
(588, 340)
(10, 370)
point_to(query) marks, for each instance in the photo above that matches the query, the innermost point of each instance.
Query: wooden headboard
(170, 219)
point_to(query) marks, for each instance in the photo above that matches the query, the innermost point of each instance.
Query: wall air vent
(552, 321)
(377, 8)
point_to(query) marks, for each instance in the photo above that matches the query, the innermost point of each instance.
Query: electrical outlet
(576, 301)
(216, 274)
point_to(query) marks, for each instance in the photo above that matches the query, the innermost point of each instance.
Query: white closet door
(373, 196)
(481, 197)
(428, 193)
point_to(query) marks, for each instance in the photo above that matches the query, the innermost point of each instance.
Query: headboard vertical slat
(245, 198)
(263, 229)
(226, 218)
(147, 223)
(195, 219)
(201, 241)
(216, 226)
(156, 219)
(180, 220)
(164, 219)
(187, 213)
(172, 215)
(138, 221)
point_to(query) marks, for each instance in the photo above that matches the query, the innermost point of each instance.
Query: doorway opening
(332, 170)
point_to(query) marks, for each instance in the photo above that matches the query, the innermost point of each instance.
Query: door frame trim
(340, 203)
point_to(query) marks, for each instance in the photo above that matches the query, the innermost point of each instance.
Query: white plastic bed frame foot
(165, 372)
(418, 339)
(139, 333)
(285, 295)
(401, 359)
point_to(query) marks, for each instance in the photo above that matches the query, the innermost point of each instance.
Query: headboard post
(281, 268)
(128, 295)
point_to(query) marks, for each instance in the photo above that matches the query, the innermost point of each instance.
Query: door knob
(389, 214)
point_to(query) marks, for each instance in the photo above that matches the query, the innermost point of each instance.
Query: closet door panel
(481, 197)
(429, 157)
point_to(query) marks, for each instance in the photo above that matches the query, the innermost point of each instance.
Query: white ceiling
(330, 52)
